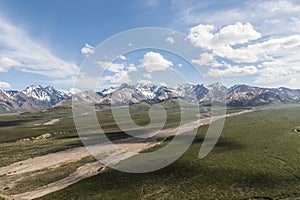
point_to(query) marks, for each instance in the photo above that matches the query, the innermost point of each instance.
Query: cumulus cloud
(87, 49)
(119, 77)
(21, 51)
(121, 71)
(4, 84)
(153, 61)
(205, 59)
(275, 24)
(202, 35)
(241, 43)
(240, 50)
(131, 68)
(238, 33)
(170, 40)
(233, 71)
(259, 51)
(113, 67)
(180, 65)
(117, 67)
(222, 43)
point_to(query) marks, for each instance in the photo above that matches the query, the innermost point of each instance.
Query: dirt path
(52, 122)
(82, 172)
(47, 161)
(133, 145)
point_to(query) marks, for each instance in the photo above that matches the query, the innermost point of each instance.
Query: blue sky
(245, 42)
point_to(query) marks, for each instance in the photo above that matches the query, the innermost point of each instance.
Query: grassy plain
(257, 157)
(16, 127)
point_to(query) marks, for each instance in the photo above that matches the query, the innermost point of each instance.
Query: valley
(53, 163)
(62, 148)
(255, 158)
(149, 100)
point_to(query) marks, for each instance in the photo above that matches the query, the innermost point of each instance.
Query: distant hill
(38, 97)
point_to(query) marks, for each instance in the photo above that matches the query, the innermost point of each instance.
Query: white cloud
(283, 70)
(113, 67)
(75, 90)
(4, 84)
(122, 57)
(131, 68)
(259, 51)
(271, 16)
(153, 61)
(121, 71)
(87, 49)
(21, 51)
(180, 65)
(238, 33)
(205, 59)
(148, 75)
(247, 51)
(272, 47)
(170, 40)
(117, 67)
(273, 6)
(201, 35)
(232, 71)
(7, 63)
(119, 77)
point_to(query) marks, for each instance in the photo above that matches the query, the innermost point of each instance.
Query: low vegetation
(20, 135)
(256, 157)
(17, 131)
(28, 182)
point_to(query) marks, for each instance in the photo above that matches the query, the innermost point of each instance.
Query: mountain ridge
(39, 97)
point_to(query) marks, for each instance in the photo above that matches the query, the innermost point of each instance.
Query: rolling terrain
(257, 157)
(47, 149)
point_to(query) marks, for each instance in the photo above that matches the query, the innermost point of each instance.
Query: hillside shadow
(223, 144)
(200, 176)
(14, 122)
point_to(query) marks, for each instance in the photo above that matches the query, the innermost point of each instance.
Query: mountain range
(38, 97)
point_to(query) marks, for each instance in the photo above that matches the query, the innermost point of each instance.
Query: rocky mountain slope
(38, 97)
(33, 97)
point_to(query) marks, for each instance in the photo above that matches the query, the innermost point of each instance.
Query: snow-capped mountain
(245, 95)
(32, 97)
(48, 94)
(38, 97)
(193, 92)
(125, 94)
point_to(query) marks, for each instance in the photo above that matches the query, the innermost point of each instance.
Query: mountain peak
(39, 97)
(218, 86)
